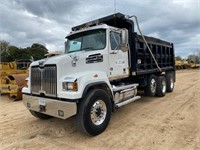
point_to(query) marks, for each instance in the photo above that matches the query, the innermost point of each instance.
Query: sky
(24, 22)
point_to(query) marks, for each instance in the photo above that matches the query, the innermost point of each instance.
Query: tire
(40, 115)
(161, 86)
(170, 82)
(150, 89)
(88, 119)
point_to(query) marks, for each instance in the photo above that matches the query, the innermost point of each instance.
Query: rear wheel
(94, 112)
(170, 82)
(40, 115)
(161, 86)
(151, 87)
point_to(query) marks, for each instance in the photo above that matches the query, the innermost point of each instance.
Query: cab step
(127, 101)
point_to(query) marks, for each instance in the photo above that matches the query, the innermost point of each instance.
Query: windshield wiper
(71, 51)
(88, 48)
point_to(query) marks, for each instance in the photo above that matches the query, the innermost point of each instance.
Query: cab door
(118, 59)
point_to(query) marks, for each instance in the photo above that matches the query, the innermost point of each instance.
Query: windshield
(90, 40)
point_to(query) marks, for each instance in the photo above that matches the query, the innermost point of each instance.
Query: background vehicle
(106, 62)
(12, 78)
(182, 64)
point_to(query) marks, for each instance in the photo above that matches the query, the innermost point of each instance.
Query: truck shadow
(54, 128)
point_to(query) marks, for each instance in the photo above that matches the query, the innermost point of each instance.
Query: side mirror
(124, 42)
(65, 45)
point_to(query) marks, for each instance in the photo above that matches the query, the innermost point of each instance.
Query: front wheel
(94, 112)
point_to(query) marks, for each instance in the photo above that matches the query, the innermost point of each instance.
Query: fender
(85, 81)
(100, 84)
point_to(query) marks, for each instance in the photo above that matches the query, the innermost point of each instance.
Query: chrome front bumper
(51, 107)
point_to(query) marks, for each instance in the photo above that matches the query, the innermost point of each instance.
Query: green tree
(13, 51)
(178, 58)
(4, 57)
(38, 51)
(10, 53)
(3, 50)
(4, 46)
(193, 59)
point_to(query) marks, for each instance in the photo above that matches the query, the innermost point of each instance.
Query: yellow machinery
(12, 77)
(182, 64)
(195, 66)
(178, 64)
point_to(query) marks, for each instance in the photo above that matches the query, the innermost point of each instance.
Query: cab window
(115, 40)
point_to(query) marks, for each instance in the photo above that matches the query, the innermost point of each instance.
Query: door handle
(113, 52)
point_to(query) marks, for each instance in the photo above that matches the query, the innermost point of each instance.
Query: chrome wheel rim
(98, 112)
(171, 83)
(153, 85)
(164, 86)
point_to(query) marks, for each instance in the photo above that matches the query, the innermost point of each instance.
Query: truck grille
(44, 80)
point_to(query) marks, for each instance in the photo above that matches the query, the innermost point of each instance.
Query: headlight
(26, 82)
(70, 86)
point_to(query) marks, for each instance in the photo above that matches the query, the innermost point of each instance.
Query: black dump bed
(141, 59)
(163, 52)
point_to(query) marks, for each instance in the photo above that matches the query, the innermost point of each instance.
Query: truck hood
(52, 60)
(68, 64)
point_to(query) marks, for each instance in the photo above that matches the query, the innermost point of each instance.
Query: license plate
(42, 102)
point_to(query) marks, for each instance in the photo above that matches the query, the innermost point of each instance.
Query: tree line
(10, 52)
(195, 58)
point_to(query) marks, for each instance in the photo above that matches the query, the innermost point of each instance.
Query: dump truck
(12, 77)
(105, 63)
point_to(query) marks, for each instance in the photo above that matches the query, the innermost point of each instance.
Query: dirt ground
(168, 123)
